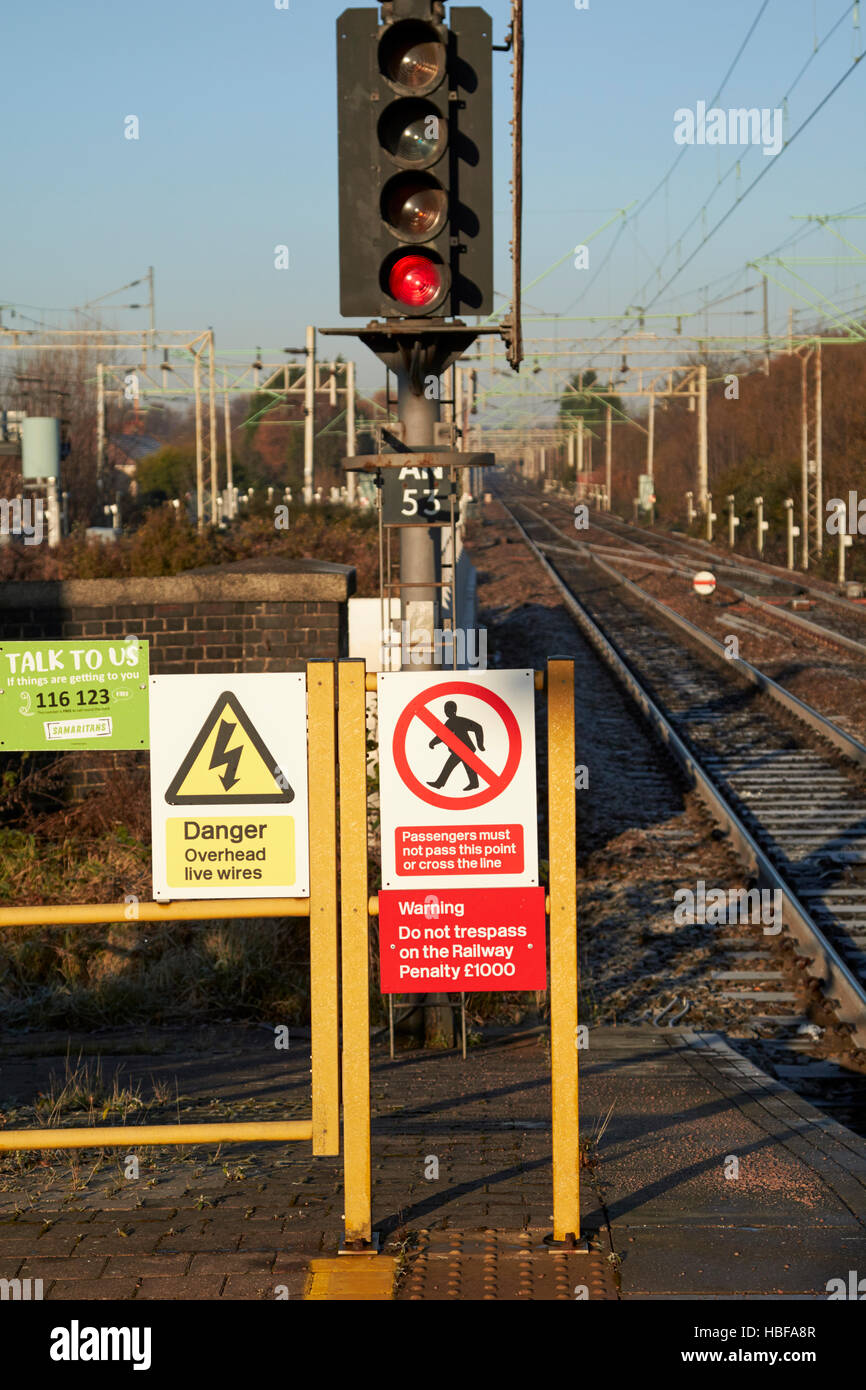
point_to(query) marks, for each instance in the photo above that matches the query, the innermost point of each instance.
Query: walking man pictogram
(464, 730)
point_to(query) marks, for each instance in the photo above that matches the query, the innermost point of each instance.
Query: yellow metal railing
(134, 1136)
(321, 908)
(562, 850)
(356, 959)
(324, 983)
(215, 909)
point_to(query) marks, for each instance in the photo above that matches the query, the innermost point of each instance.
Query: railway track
(788, 786)
(836, 621)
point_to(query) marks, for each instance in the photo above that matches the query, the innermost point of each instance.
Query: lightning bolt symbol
(221, 757)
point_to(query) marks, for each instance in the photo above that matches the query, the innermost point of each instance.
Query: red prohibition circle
(429, 794)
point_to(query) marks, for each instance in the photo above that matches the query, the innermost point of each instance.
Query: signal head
(412, 57)
(416, 283)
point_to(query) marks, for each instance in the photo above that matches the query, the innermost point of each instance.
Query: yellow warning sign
(230, 852)
(228, 764)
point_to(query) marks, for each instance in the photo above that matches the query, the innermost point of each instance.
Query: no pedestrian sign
(457, 779)
(73, 695)
(229, 786)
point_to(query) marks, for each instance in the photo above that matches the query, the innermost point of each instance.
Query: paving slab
(703, 1177)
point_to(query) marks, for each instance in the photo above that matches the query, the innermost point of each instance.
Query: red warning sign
(464, 739)
(467, 939)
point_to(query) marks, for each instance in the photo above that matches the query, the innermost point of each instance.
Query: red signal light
(415, 281)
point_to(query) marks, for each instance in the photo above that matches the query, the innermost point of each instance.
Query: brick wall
(255, 615)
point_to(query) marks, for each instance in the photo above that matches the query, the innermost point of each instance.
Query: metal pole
(229, 473)
(711, 516)
(608, 459)
(199, 459)
(211, 405)
(152, 305)
(563, 950)
(804, 460)
(324, 1041)
(651, 433)
(355, 934)
(420, 571)
(309, 414)
(351, 440)
(819, 454)
(766, 328)
(468, 433)
(515, 345)
(100, 426)
(579, 479)
(419, 548)
(703, 477)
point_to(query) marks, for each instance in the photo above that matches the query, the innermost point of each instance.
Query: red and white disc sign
(704, 583)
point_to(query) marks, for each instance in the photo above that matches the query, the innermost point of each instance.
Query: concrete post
(792, 530)
(763, 526)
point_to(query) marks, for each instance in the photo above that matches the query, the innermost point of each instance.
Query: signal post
(416, 259)
(415, 143)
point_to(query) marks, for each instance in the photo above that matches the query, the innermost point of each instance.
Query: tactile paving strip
(482, 1265)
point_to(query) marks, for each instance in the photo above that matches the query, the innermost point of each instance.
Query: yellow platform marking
(352, 1278)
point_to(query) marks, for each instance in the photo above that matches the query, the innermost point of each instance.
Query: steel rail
(824, 962)
(848, 745)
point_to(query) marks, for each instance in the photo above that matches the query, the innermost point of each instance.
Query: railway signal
(415, 161)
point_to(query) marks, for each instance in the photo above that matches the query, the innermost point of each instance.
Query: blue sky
(237, 107)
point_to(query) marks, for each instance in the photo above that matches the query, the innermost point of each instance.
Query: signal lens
(412, 56)
(413, 133)
(415, 281)
(414, 206)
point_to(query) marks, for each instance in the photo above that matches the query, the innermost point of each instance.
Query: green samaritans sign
(73, 695)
